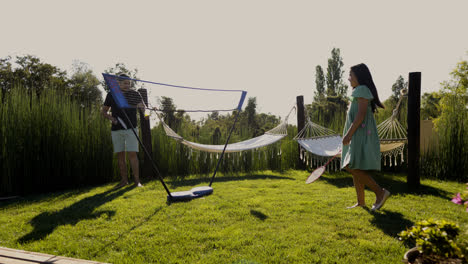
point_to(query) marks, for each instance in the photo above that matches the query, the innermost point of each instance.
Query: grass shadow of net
(193, 182)
(45, 223)
(104, 248)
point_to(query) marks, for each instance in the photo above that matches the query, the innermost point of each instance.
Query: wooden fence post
(414, 129)
(146, 169)
(300, 124)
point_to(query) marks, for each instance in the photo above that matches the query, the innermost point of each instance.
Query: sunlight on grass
(253, 218)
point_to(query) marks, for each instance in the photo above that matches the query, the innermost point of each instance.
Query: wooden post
(300, 123)
(414, 129)
(146, 169)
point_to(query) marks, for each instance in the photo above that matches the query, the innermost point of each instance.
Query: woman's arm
(362, 109)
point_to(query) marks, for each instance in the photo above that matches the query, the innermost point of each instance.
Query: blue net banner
(116, 92)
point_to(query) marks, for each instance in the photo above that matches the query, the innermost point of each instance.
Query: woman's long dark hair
(364, 77)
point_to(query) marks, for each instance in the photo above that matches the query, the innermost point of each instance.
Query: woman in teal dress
(361, 144)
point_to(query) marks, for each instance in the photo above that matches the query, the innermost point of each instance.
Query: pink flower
(457, 199)
(368, 132)
(363, 125)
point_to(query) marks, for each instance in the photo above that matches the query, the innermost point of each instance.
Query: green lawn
(265, 217)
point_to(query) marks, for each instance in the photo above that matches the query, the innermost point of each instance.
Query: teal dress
(364, 150)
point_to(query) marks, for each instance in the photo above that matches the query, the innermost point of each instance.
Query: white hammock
(253, 143)
(270, 137)
(323, 143)
(322, 146)
(318, 140)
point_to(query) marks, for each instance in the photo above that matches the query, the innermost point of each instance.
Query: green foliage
(50, 143)
(170, 115)
(329, 108)
(84, 85)
(430, 105)
(7, 77)
(29, 72)
(399, 85)
(32, 74)
(319, 93)
(451, 158)
(250, 112)
(433, 237)
(334, 78)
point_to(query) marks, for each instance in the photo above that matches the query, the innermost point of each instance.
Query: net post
(241, 101)
(224, 149)
(147, 154)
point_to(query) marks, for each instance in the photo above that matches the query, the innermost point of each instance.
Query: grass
(253, 218)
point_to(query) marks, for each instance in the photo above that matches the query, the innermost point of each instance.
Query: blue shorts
(124, 140)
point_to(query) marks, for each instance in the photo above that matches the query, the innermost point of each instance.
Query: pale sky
(268, 48)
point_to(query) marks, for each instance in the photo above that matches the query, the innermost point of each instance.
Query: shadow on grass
(102, 249)
(46, 222)
(194, 182)
(258, 214)
(391, 223)
(35, 198)
(395, 184)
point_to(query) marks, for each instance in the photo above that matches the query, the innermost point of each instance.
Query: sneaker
(376, 207)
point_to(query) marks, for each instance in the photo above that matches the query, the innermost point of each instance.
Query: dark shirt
(117, 112)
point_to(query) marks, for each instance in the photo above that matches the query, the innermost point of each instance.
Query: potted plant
(432, 241)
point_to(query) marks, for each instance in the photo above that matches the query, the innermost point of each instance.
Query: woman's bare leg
(359, 190)
(366, 179)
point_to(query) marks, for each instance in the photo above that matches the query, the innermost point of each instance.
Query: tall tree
(84, 85)
(170, 116)
(121, 68)
(329, 106)
(452, 124)
(36, 75)
(335, 85)
(397, 87)
(430, 108)
(7, 77)
(250, 111)
(319, 94)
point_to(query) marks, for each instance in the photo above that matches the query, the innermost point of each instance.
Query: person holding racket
(123, 139)
(361, 145)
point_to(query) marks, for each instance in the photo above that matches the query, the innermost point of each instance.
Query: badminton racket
(320, 170)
